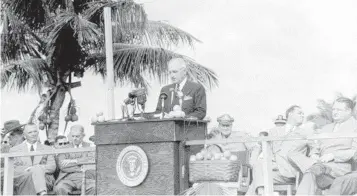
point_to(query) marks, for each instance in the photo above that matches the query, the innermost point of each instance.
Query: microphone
(172, 90)
(163, 97)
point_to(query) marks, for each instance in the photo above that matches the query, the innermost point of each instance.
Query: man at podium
(188, 95)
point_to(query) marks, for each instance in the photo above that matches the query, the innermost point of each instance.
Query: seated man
(331, 159)
(224, 131)
(11, 136)
(70, 177)
(32, 175)
(60, 143)
(283, 170)
(191, 96)
(344, 185)
(347, 184)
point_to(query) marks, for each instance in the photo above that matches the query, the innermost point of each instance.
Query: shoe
(319, 169)
(43, 193)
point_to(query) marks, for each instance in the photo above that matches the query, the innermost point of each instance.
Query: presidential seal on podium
(132, 166)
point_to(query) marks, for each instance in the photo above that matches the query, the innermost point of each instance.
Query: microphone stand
(163, 97)
(162, 108)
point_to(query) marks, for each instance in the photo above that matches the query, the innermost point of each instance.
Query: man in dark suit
(191, 96)
(70, 164)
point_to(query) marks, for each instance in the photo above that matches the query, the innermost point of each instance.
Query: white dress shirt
(79, 146)
(29, 146)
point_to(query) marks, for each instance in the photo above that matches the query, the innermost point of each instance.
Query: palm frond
(319, 120)
(127, 16)
(25, 74)
(133, 60)
(89, 34)
(17, 39)
(71, 36)
(32, 12)
(53, 5)
(162, 34)
(339, 95)
(325, 109)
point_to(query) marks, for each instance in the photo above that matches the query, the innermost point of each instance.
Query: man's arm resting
(342, 156)
(50, 166)
(68, 165)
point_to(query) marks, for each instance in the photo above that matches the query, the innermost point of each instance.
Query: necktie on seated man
(32, 157)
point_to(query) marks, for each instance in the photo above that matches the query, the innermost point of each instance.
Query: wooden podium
(162, 141)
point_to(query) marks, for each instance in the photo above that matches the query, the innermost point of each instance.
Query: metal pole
(109, 61)
(267, 168)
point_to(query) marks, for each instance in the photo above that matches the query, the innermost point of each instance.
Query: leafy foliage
(45, 42)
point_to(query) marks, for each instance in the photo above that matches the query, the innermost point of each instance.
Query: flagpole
(109, 61)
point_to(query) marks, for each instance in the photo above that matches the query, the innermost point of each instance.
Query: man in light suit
(283, 170)
(70, 176)
(33, 175)
(193, 94)
(345, 185)
(331, 158)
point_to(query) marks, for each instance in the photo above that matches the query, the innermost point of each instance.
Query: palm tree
(45, 43)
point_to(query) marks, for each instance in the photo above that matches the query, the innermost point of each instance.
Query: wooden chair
(86, 168)
(244, 175)
(289, 188)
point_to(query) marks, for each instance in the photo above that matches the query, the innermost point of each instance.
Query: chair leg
(289, 190)
(83, 189)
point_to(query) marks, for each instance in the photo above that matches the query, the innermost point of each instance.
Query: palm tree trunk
(57, 103)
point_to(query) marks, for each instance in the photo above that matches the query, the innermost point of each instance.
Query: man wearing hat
(280, 121)
(224, 131)
(11, 136)
(14, 130)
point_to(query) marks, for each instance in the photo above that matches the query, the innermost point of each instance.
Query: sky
(268, 55)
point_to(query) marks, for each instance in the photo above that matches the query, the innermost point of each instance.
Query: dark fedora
(11, 125)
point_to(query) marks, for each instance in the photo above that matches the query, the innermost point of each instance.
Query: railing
(265, 141)
(266, 146)
(9, 163)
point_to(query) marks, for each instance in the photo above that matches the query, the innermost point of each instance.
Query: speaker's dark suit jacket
(193, 101)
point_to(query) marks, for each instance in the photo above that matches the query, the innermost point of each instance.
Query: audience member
(70, 177)
(283, 170)
(32, 175)
(331, 158)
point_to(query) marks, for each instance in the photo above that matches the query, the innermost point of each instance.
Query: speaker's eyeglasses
(63, 143)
